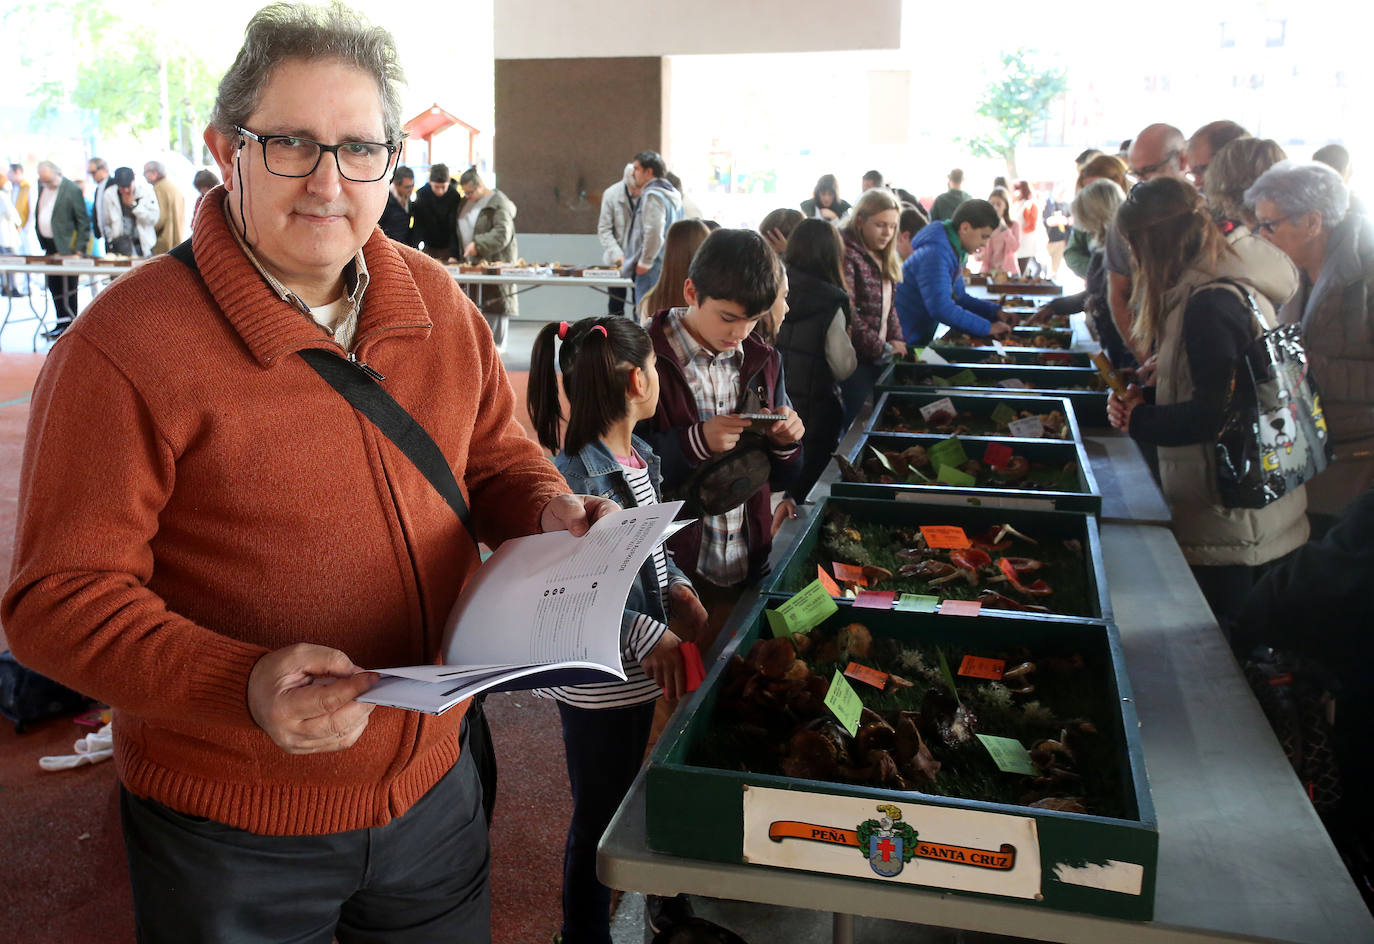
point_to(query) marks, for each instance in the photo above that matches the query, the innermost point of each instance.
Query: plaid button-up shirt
(715, 383)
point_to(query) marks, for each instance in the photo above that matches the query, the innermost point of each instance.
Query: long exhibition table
(1242, 854)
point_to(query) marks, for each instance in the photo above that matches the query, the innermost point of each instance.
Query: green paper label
(918, 603)
(965, 378)
(1008, 754)
(947, 452)
(844, 703)
(777, 623)
(950, 476)
(807, 609)
(939, 381)
(1003, 414)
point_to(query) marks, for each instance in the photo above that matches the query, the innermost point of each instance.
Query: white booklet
(544, 610)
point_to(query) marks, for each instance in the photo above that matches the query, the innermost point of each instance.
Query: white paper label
(11, 260)
(997, 346)
(1012, 384)
(943, 405)
(927, 356)
(601, 273)
(1113, 876)
(1028, 428)
(907, 843)
(77, 261)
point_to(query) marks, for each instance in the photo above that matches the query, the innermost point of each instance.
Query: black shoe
(53, 334)
(664, 913)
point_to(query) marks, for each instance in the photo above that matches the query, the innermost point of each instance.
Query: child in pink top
(999, 254)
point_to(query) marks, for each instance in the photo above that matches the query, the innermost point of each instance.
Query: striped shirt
(644, 634)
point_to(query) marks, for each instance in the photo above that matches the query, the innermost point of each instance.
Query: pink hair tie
(602, 329)
(562, 330)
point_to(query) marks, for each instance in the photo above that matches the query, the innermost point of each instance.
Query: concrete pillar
(567, 127)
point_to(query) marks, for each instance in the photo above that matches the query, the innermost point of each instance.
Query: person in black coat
(814, 343)
(1315, 605)
(435, 212)
(395, 221)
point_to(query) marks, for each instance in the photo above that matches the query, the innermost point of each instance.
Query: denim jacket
(594, 471)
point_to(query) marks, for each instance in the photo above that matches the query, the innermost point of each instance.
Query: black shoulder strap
(371, 399)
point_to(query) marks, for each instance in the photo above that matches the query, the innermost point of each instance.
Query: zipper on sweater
(372, 372)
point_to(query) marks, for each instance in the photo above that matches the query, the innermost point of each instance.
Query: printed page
(553, 597)
(540, 601)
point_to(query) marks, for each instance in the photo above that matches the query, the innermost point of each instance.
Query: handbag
(364, 392)
(1273, 434)
(726, 481)
(27, 697)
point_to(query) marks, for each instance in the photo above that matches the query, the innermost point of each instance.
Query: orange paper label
(960, 608)
(862, 673)
(978, 667)
(831, 587)
(848, 573)
(944, 536)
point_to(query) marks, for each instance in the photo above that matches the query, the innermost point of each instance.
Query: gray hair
(157, 167)
(282, 31)
(1297, 187)
(1095, 207)
(1233, 169)
(49, 165)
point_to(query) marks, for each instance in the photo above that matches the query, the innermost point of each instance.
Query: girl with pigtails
(611, 383)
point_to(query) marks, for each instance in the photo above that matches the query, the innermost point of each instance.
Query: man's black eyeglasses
(287, 155)
(1268, 226)
(1144, 173)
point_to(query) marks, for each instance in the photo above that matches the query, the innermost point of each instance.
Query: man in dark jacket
(946, 203)
(64, 228)
(435, 216)
(395, 221)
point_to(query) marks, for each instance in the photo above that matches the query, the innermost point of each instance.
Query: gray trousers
(420, 878)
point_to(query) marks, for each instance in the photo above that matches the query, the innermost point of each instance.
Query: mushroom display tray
(719, 794)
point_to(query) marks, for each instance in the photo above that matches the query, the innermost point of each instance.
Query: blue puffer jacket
(592, 470)
(932, 291)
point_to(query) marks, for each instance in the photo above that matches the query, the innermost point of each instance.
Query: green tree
(132, 78)
(1013, 103)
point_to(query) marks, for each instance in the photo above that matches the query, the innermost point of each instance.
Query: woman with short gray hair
(1303, 209)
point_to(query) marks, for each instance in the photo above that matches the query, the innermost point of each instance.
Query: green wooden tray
(1074, 862)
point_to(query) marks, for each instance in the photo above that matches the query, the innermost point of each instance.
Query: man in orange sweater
(213, 541)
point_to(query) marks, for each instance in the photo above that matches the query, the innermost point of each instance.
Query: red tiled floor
(66, 880)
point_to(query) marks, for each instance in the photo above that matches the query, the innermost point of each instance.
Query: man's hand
(722, 431)
(642, 269)
(470, 251)
(788, 430)
(1119, 411)
(686, 613)
(664, 666)
(126, 196)
(898, 348)
(575, 513)
(776, 240)
(785, 512)
(303, 696)
(999, 329)
(618, 261)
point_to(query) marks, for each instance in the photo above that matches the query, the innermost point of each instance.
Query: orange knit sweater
(194, 496)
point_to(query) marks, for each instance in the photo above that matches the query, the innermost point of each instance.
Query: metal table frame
(96, 276)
